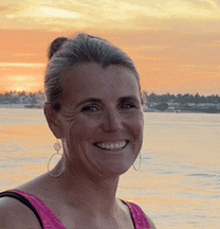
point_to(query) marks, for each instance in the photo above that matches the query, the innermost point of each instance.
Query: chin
(119, 170)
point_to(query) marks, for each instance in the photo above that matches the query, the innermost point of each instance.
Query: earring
(139, 163)
(57, 147)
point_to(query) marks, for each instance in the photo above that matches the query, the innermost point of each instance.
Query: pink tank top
(50, 221)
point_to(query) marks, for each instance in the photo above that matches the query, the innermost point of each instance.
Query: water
(178, 184)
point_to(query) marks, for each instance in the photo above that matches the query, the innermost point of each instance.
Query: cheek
(82, 129)
(136, 128)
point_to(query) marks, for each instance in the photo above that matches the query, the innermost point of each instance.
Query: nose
(112, 122)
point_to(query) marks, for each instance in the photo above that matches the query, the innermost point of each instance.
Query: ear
(52, 120)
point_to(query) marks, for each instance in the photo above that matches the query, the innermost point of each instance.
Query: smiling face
(101, 119)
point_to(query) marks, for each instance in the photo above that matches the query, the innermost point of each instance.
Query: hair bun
(56, 45)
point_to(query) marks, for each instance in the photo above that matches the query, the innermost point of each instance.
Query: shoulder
(15, 215)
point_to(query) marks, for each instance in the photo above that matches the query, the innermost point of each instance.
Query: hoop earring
(57, 147)
(139, 166)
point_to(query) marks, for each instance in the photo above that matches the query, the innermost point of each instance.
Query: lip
(112, 145)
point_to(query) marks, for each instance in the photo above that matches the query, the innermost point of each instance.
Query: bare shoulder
(15, 215)
(152, 225)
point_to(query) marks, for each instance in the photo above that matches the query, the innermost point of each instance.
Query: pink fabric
(139, 217)
(50, 221)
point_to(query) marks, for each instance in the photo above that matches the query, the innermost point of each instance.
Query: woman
(93, 105)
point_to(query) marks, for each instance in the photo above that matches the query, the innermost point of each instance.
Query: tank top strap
(50, 221)
(139, 218)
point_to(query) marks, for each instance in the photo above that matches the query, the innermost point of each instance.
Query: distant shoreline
(18, 106)
(12, 105)
(28, 106)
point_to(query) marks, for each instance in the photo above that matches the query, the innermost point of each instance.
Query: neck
(92, 192)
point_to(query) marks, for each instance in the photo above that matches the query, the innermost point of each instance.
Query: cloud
(48, 12)
(185, 15)
(3, 8)
(23, 65)
(51, 12)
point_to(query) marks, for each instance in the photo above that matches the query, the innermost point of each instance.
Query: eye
(91, 108)
(127, 105)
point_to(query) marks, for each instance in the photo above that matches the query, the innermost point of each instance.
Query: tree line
(180, 98)
(21, 97)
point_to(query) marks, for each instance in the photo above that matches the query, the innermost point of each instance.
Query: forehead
(92, 80)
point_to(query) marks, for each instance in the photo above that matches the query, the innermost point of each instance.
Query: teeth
(112, 146)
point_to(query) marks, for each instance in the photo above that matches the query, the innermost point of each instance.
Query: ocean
(178, 184)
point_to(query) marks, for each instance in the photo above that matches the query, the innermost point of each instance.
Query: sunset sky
(175, 44)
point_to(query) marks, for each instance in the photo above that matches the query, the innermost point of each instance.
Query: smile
(112, 145)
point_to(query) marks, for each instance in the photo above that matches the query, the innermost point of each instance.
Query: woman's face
(101, 119)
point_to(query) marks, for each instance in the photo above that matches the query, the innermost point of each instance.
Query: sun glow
(19, 88)
(23, 65)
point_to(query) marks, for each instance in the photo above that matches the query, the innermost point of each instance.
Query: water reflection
(179, 181)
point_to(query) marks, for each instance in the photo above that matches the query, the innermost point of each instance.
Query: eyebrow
(131, 97)
(89, 100)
